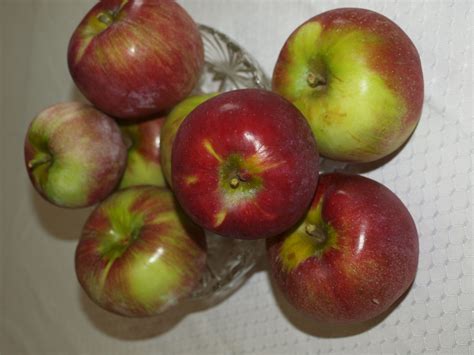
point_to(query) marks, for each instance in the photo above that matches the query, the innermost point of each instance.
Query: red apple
(143, 160)
(74, 154)
(352, 256)
(170, 128)
(136, 58)
(357, 78)
(245, 164)
(138, 254)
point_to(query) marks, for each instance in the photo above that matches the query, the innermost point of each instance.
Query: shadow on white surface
(58, 222)
(141, 328)
(126, 328)
(319, 329)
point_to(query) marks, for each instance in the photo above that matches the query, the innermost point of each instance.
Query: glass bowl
(230, 261)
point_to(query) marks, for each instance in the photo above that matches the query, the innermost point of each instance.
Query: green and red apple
(74, 154)
(139, 254)
(170, 128)
(352, 256)
(135, 58)
(357, 78)
(143, 154)
(245, 164)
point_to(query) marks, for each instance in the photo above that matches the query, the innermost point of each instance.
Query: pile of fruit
(163, 166)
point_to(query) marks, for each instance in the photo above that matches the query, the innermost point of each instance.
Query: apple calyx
(42, 158)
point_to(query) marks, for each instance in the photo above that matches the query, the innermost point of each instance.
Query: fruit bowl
(230, 261)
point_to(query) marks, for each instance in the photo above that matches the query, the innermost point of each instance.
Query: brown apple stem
(316, 81)
(44, 158)
(316, 233)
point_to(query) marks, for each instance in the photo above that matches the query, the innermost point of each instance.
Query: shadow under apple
(320, 329)
(128, 328)
(141, 328)
(61, 223)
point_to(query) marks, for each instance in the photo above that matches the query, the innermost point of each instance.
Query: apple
(74, 154)
(352, 256)
(357, 78)
(138, 254)
(143, 159)
(245, 164)
(135, 58)
(170, 127)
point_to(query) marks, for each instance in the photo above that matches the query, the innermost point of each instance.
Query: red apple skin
(367, 262)
(139, 254)
(74, 154)
(148, 58)
(351, 120)
(144, 158)
(257, 141)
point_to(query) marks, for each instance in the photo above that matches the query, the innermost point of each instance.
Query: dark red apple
(245, 164)
(138, 253)
(134, 58)
(352, 256)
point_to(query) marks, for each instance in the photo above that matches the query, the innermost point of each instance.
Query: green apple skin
(143, 160)
(357, 78)
(138, 254)
(74, 154)
(171, 125)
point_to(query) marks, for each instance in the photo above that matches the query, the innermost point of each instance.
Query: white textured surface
(45, 312)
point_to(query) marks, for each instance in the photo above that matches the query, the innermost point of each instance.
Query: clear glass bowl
(230, 261)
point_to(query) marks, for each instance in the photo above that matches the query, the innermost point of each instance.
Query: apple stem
(43, 158)
(106, 18)
(315, 232)
(316, 81)
(234, 182)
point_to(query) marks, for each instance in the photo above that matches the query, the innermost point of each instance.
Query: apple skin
(245, 164)
(143, 155)
(352, 256)
(74, 154)
(357, 78)
(133, 59)
(170, 128)
(139, 254)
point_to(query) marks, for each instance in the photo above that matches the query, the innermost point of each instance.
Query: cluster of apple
(163, 166)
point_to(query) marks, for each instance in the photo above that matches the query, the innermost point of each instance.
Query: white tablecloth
(43, 309)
